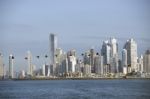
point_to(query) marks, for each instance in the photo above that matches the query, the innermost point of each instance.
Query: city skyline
(79, 25)
(109, 48)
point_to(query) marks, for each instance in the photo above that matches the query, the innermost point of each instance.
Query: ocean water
(75, 89)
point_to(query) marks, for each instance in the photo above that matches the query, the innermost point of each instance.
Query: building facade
(11, 66)
(131, 47)
(30, 65)
(53, 46)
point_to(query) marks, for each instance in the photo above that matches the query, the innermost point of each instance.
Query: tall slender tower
(114, 55)
(11, 63)
(30, 66)
(124, 61)
(53, 46)
(131, 48)
(106, 53)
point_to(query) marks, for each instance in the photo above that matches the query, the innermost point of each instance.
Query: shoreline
(82, 79)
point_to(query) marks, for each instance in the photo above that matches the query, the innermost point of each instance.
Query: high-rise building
(106, 53)
(98, 63)
(53, 46)
(146, 62)
(140, 64)
(92, 56)
(114, 47)
(11, 66)
(1, 66)
(46, 70)
(131, 47)
(87, 70)
(86, 58)
(124, 61)
(59, 59)
(71, 55)
(30, 65)
(114, 55)
(78, 66)
(64, 65)
(71, 63)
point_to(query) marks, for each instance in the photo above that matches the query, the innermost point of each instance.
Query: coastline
(130, 78)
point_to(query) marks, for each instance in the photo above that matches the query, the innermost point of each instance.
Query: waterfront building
(131, 47)
(140, 64)
(30, 65)
(86, 58)
(98, 63)
(146, 62)
(11, 66)
(46, 70)
(22, 74)
(58, 60)
(114, 56)
(124, 61)
(87, 70)
(78, 66)
(92, 56)
(71, 64)
(64, 66)
(106, 52)
(53, 46)
(1, 67)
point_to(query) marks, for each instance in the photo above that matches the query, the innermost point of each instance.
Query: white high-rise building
(146, 62)
(11, 66)
(53, 46)
(114, 47)
(114, 55)
(106, 53)
(131, 47)
(30, 65)
(46, 70)
(1, 66)
(140, 64)
(71, 63)
(124, 61)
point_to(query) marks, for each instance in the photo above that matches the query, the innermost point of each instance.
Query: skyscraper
(146, 62)
(11, 64)
(71, 55)
(71, 63)
(30, 65)
(131, 48)
(92, 55)
(98, 63)
(124, 61)
(58, 61)
(114, 55)
(140, 64)
(1, 66)
(53, 46)
(106, 53)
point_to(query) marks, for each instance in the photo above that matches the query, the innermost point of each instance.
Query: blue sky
(79, 24)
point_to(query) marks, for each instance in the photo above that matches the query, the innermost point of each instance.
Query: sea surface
(75, 89)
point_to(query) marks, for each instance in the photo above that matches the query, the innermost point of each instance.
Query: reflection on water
(75, 89)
